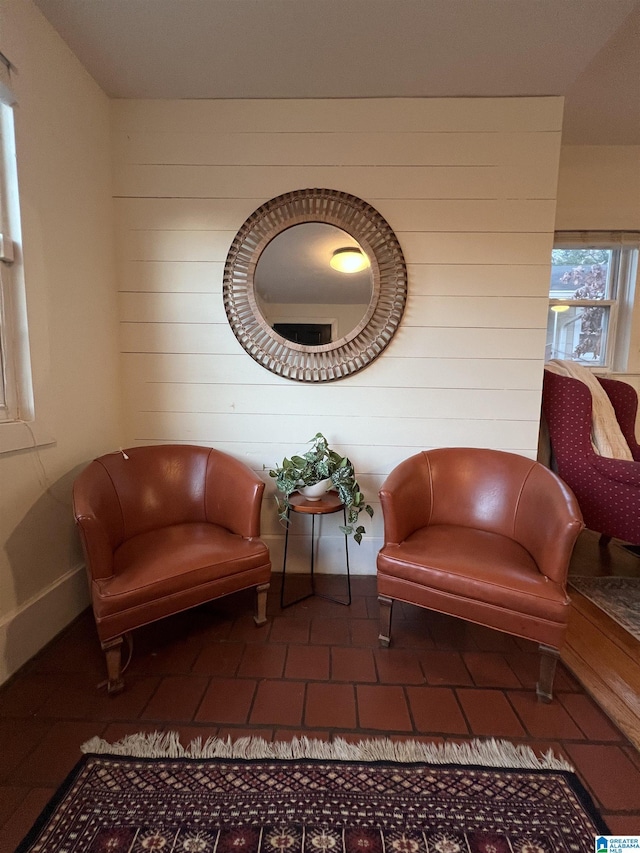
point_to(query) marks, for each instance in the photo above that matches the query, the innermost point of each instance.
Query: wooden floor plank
(606, 660)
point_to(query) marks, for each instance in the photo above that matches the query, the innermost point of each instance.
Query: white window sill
(21, 435)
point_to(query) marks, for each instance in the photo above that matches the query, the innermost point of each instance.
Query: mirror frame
(373, 333)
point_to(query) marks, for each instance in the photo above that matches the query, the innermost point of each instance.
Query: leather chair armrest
(406, 498)
(548, 522)
(233, 496)
(96, 545)
(617, 470)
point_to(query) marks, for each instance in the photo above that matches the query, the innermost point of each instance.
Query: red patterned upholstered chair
(165, 528)
(608, 490)
(482, 535)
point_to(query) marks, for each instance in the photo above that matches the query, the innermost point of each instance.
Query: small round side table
(326, 505)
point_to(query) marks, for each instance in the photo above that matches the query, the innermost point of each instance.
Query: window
(591, 298)
(8, 391)
(19, 426)
(10, 408)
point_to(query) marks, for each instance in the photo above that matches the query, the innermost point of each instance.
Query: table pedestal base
(329, 504)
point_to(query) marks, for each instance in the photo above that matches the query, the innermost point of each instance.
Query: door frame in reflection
(307, 334)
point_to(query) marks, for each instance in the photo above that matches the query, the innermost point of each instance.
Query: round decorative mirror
(315, 285)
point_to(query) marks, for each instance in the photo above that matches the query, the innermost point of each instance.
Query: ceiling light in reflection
(349, 260)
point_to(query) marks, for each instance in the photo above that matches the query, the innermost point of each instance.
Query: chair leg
(548, 660)
(386, 610)
(261, 604)
(113, 654)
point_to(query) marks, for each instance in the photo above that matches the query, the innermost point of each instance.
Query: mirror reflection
(299, 292)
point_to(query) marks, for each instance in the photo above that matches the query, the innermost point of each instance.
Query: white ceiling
(587, 50)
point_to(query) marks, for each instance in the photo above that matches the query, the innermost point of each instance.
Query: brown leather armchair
(483, 535)
(165, 528)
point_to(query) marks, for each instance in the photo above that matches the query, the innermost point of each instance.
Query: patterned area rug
(618, 597)
(318, 805)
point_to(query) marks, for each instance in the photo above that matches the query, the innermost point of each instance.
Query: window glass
(19, 427)
(6, 409)
(584, 294)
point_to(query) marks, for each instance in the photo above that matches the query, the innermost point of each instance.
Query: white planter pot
(317, 490)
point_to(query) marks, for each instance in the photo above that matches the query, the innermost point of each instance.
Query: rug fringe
(489, 753)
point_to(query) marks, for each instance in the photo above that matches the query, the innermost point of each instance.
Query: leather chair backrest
(156, 486)
(477, 488)
(508, 494)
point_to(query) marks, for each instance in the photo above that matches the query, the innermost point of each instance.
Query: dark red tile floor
(314, 669)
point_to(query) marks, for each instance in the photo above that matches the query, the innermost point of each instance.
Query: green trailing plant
(322, 463)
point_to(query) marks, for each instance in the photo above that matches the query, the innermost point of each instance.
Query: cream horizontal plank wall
(372, 115)
(474, 311)
(350, 402)
(449, 278)
(463, 311)
(390, 372)
(344, 149)
(418, 247)
(474, 182)
(430, 214)
(345, 432)
(413, 342)
(171, 276)
(482, 280)
(469, 187)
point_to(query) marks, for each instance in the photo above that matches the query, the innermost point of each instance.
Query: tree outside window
(583, 297)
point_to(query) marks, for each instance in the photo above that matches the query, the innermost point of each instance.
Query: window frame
(9, 409)
(20, 428)
(622, 275)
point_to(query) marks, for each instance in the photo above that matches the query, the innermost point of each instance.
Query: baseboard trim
(29, 627)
